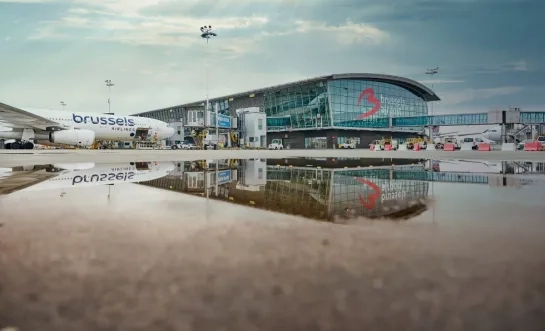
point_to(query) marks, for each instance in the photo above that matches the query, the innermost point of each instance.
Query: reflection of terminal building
(315, 113)
(318, 193)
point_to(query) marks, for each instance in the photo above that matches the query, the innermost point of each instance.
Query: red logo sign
(369, 94)
(370, 199)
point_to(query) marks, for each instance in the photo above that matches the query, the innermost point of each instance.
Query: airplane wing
(12, 117)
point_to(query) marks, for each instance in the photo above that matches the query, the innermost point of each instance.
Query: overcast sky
(491, 53)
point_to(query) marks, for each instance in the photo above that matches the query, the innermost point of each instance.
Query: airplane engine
(73, 137)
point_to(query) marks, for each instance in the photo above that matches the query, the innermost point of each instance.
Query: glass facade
(298, 106)
(351, 103)
(223, 107)
(166, 115)
(354, 103)
(316, 142)
(368, 104)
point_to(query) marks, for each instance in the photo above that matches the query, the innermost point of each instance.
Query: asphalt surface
(149, 259)
(10, 158)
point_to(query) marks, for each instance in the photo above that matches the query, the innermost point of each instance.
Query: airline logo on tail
(121, 121)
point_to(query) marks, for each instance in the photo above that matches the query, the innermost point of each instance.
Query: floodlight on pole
(109, 84)
(432, 72)
(207, 33)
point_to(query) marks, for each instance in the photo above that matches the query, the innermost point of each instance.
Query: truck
(212, 141)
(350, 143)
(276, 144)
(383, 142)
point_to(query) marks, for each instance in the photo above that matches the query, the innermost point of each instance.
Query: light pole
(432, 72)
(207, 33)
(109, 84)
(63, 105)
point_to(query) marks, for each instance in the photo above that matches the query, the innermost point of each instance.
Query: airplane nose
(170, 132)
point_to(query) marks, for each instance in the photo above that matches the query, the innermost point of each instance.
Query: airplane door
(141, 133)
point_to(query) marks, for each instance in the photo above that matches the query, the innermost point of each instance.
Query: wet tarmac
(12, 158)
(273, 244)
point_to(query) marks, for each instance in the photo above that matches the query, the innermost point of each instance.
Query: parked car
(184, 145)
(520, 145)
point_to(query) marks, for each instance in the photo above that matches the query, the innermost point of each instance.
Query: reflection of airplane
(64, 176)
(459, 166)
(26, 126)
(484, 167)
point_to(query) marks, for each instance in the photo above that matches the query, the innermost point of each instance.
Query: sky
(490, 53)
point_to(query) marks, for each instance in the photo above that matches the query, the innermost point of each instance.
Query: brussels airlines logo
(105, 177)
(370, 199)
(369, 95)
(121, 121)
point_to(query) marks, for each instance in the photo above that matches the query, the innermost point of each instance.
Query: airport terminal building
(321, 112)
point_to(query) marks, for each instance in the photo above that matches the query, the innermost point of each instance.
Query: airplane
(493, 134)
(432, 71)
(74, 175)
(25, 127)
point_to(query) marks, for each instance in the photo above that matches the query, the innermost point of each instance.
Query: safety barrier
(377, 148)
(388, 147)
(402, 147)
(532, 146)
(484, 147)
(416, 147)
(448, 147)
(430, 147)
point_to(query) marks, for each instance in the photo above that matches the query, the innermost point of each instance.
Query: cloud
(132, 22)
(25, 1)
(348, 32)
(452, 98)
(516, 66)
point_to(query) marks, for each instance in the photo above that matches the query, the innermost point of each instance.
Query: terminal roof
(417, 88)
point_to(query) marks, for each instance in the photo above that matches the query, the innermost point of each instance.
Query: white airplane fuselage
(88, 175)
(104, 126)
(492, 135)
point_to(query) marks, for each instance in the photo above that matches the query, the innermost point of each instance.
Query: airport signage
(390, 106)
(224, 176)
(393, 190)
(224, 121)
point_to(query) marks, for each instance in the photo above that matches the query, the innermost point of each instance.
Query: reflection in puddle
(329, 189)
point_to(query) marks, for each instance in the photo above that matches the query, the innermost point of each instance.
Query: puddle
(349, 242)
(327, 189)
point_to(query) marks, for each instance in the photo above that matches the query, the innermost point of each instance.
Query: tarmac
(9, 158)
(140, 258)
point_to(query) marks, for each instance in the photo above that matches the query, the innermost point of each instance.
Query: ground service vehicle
(276, 144)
